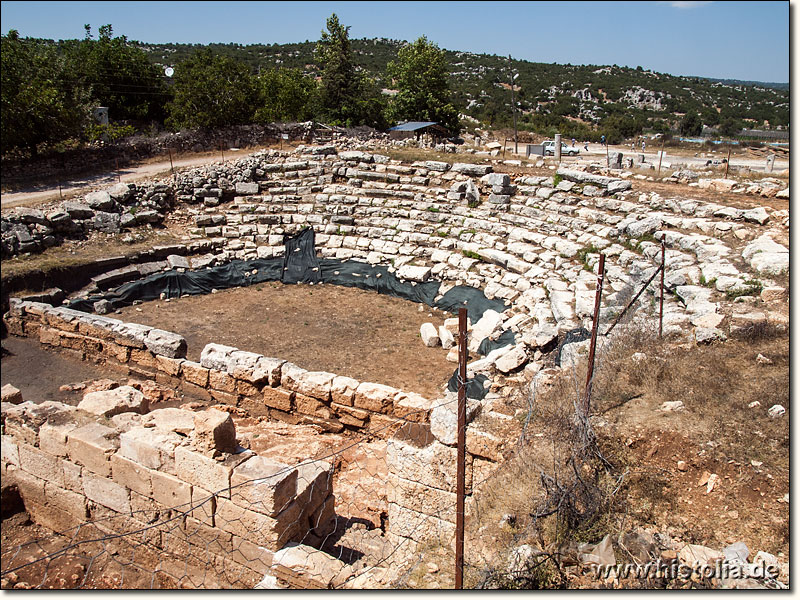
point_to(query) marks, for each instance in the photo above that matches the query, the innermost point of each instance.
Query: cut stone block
(263, 485)
(92, 445)
(107, 403)
(214, 430)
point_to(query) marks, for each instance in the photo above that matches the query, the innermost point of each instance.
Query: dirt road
(42, 195)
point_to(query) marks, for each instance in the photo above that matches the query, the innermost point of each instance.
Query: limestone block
(200, 470)
(419, 526)
(484, 444)
(171, 491)
(40, 464)
(165, 343)
(216, 356)
(91, 446)
(414, 273)
(107, 403)
(421, 498)
(512, 359)
(131, 475)
(260, 529)
(214, 430)
(343, 390)
(278, 398)
(68, 501)
(150, 447)
(446, 337)
(290, 375)
(429, 335)
(105, 492)
(314, 484)
(171, 419)
(314, 568)
(53, 437)
(433, 466)
(11, 394)
(263, 485)
(221, 382)
(375, 397)
(131, 335)
(311, 406)
(9, 451)
(195, 373)
(444, 418)
(267, 370)
(316, 384)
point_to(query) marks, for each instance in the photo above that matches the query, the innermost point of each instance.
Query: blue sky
(737, 40)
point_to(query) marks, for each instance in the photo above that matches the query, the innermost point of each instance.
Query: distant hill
(583, 95)
(762, 84)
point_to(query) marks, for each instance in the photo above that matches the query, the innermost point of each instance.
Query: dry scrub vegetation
(572, 480)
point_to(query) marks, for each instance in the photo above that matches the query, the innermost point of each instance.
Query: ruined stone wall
(173, 482)
(263, 385)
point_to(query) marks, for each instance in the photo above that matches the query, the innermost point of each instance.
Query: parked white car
(550, 149)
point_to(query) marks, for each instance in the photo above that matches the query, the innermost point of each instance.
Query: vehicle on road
(550, 149)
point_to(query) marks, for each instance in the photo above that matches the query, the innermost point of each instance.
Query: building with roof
(418, 129)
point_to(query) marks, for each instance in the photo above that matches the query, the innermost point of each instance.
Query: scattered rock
(11, 394)
(776, 411)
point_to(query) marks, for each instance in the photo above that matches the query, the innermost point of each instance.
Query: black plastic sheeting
(507, 338)
(300, 264)
(573, 335)
(474, 300)
(475, 387)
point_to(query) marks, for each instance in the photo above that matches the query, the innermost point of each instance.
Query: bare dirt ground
(347, 331)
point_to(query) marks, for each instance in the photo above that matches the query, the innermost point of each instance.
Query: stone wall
(176, 481)
(265, 386)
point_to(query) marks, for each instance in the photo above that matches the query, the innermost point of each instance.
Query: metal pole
(462, 443)
(632, 302)
(728, 164)
(116, 164)
(221, 151)
(608, 159)
(661, 297)
(171, 166)
(59, 192)
(661, 156)
(595, 322)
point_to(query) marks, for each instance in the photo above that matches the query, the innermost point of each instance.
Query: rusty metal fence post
(601, 271)
(462, 443)
(661, 294)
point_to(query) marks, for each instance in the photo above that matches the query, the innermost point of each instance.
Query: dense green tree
(285, 95)
(346, 95)
(420, 73)
(211, 91)
(729, 127)
(691, 124)
(38, 104)
(120, 76)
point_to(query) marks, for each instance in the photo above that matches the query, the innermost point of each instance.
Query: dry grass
(635, 483)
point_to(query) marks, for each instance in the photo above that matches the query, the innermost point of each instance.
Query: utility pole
(513, 103)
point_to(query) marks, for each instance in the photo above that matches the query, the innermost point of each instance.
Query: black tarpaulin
(507, 338)
(473, 299)
(475, 387)
(353, 273)
(300, 264)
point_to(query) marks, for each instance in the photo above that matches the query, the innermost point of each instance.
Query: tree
(120, 76)
(39, 104)
(729, 127)
(420, 73)
(285, 95)
(346, 96)
(211, 91)
(691, 124)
